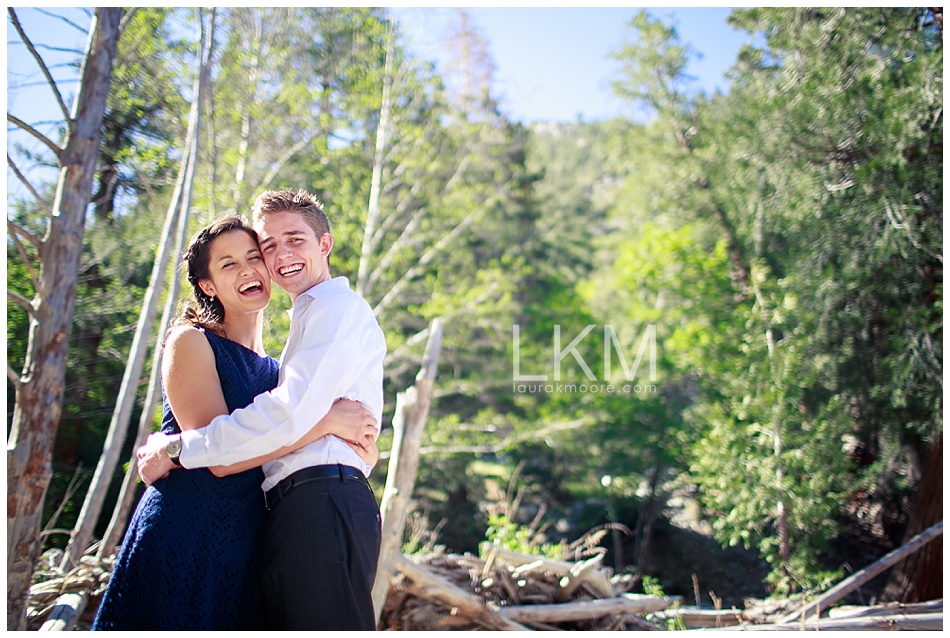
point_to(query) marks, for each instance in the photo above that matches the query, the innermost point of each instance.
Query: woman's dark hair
(205, 311)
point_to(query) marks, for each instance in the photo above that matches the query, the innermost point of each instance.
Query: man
(322, 535)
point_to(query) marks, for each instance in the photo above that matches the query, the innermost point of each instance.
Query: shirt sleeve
(329, 357)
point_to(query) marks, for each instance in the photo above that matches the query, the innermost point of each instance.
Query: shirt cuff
(194, 449)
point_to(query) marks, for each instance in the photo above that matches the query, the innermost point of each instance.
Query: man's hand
(153, 462)
(367, 450)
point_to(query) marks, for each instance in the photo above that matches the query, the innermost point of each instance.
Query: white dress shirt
(335, 349)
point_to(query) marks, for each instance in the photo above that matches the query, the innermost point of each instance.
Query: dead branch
(860, 577)
(39, 199)
(589, 571)
(23, 256)
(433, 586)
(586, 609)
(23, 302)
(900, 622)
(428, 256)
(14, 378)
(43, 68)
(42, 138)
(887, 609)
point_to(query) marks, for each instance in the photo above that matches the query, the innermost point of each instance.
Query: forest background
(763, 268)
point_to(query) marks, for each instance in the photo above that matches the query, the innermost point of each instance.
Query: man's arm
(193, 390)
(337, 339)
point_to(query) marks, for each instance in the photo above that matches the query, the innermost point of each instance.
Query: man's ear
(326, 244)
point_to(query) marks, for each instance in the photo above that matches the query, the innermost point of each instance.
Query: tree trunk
(412, 409)
(118, 427)
(379, 157)
(920, 577)
(120, 515)
(39, 392)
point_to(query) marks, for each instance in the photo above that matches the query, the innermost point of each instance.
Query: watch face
(174, 448)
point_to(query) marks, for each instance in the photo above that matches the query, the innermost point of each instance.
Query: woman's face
(239, 278)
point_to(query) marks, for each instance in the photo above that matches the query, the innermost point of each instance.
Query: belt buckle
(277, 492)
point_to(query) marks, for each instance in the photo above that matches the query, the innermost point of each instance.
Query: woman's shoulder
(185, 335)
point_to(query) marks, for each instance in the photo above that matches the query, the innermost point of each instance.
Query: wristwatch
(174, 450)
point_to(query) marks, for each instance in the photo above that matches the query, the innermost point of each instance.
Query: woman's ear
(206, 287)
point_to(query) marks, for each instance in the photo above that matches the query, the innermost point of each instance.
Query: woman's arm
(190, 379)
(345, 419)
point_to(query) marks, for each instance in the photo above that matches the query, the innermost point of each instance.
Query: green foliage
(782, 240)
(793, 333)
(651, 587)
(503, 532)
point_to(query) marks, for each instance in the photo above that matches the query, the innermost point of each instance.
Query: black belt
(341, 472)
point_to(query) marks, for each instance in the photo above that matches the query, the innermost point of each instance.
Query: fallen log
(585, 609)
(896, 622)
(64, 615)
(857, 579)
(695, 618)
(434, 587)
(887, 609)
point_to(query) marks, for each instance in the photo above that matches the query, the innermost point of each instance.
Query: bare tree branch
(32, 131)
(35, 241)
(66, 20)
(14, 378)
(39, 61)
(495, 448)
(22, 252)
(126, 18)
(22, 301)
(401, 241)
(427, 257)
(293, 150)
(39, 199)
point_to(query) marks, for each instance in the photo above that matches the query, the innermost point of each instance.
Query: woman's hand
(367, 450)
(349, 420)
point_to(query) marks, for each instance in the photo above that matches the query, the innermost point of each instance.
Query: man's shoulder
(343, 297)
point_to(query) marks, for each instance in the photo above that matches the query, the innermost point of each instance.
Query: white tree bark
(118, 427)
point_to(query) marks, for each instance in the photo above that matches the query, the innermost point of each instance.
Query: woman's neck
(246, 330)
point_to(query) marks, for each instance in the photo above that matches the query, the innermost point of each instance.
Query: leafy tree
(807, 135)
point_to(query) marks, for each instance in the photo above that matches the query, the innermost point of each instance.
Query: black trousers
(319, 557)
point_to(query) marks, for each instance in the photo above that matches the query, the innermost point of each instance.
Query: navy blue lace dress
(189, 557)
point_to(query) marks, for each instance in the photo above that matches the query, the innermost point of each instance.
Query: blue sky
(552, 64)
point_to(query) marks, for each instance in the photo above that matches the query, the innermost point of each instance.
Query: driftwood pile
(512, 591)
(58, 599)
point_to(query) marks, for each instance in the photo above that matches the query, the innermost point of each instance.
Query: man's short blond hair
(290, 201)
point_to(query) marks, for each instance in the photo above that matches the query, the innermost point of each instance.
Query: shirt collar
(321, 290)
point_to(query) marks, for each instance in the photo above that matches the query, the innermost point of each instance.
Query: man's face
(295, 257)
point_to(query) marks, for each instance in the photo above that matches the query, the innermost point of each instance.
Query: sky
(552, 63)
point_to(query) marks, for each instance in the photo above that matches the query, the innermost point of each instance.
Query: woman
(189, 558)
